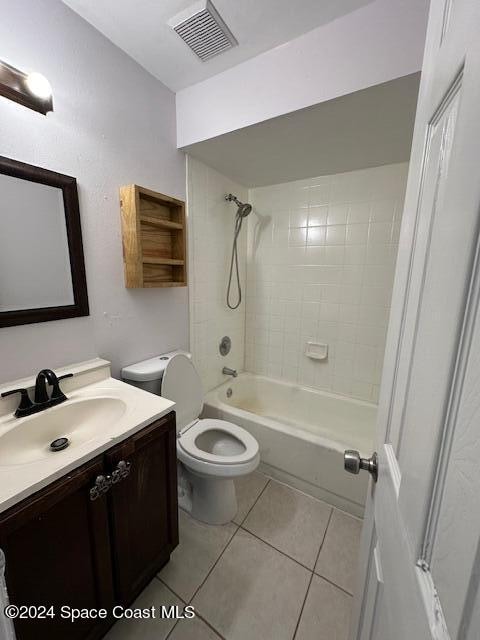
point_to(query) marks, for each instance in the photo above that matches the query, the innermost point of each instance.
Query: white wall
(321, 257)
(379, 42)
(113, 124)
(211, 225)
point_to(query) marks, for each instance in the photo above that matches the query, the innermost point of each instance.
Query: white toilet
(211, 452)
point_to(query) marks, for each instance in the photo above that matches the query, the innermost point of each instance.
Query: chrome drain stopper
(59, 444)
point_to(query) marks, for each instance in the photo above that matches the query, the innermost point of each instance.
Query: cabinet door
(57, 552)
(143, 506)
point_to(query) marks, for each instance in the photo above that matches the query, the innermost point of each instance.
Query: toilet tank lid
(151, 369)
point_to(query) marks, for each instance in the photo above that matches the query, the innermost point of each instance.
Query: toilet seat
(189, 442)
(211, 453)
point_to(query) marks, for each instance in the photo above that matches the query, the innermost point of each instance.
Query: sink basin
(80, 421)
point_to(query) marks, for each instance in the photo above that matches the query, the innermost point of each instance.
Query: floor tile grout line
(197, 615)
(210, 626)
(170, 589)
(256, 500)
(311, 577)
(177, 596)
(221, 554)
(214, 565)
(307, 495)
(269, 544)
(320, 575)
(337, 586)
(240, 526)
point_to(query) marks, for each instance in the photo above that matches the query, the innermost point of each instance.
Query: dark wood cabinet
(64, 549)
(57, 550)
(144, 518)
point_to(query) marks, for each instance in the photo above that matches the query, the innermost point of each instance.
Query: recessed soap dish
(316, 350)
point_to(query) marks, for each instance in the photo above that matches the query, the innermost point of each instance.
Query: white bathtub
(302, 434)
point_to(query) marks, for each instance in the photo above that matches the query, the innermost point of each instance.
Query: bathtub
(302, 434)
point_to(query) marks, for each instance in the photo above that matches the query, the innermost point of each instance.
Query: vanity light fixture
(31, 90)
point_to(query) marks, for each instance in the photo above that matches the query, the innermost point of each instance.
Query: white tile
(350, 294)
(359, 212)
(362, 390)
(356, 234)
(317, 216)
(347, 332)
(297, 237)
(312, 292)
(319, 194)
(335, 255)
(327, 331)
(298, 218)
(355, 254)
(383, 210)
(329, 312)
(342, 385)
(380, 232)
(315, 255)
(330, 259)
(348, 313)
(352, 274)
(335, 234)
(331, 293)
(310, 309)
(316, 236)
(337, 214)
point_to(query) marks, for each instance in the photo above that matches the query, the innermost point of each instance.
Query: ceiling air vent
(204, 31)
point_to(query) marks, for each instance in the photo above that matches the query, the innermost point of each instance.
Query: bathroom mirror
(42, 270)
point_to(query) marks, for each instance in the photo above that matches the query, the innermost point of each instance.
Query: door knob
(352, 463)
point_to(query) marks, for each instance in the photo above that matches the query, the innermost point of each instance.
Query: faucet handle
(25, 403)
(57, 394)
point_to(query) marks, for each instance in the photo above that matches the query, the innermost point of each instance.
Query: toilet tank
(147, 374)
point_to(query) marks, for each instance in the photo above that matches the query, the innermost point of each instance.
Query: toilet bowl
(211, 453)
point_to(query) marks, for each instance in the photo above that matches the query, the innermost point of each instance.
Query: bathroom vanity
(95, 531)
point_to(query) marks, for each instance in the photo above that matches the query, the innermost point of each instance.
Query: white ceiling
(139, 27)
(364, 129)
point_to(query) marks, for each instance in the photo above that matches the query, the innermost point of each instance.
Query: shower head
(243, 208)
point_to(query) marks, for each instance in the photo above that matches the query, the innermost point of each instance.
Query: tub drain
(59, 444)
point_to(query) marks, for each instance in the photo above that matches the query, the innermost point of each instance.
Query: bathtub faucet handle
(352, 462)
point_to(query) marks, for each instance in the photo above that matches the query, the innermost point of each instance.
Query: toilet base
(213, 500)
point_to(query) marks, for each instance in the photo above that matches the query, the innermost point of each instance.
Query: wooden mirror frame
(68, 185)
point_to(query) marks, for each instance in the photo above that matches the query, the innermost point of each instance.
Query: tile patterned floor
(283, 570)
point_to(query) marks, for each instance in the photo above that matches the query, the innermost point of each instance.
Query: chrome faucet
(229, 372)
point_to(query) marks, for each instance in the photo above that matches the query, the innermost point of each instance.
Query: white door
(420, 566)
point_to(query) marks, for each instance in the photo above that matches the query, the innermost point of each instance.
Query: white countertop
(17, 481)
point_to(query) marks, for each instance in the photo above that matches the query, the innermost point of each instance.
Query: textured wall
(211, 225)
(113, 124)
(321, 258)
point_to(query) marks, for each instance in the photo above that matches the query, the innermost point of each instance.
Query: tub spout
(229, 372)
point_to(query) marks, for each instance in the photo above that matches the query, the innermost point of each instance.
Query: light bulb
(38, 85)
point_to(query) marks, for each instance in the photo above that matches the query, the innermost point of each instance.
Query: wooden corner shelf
(154, 238)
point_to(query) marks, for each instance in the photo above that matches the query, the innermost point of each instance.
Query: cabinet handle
(101, 486)
(122, 471)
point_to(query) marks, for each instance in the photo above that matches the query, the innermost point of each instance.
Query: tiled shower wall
(321, 257)
(211, 225)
